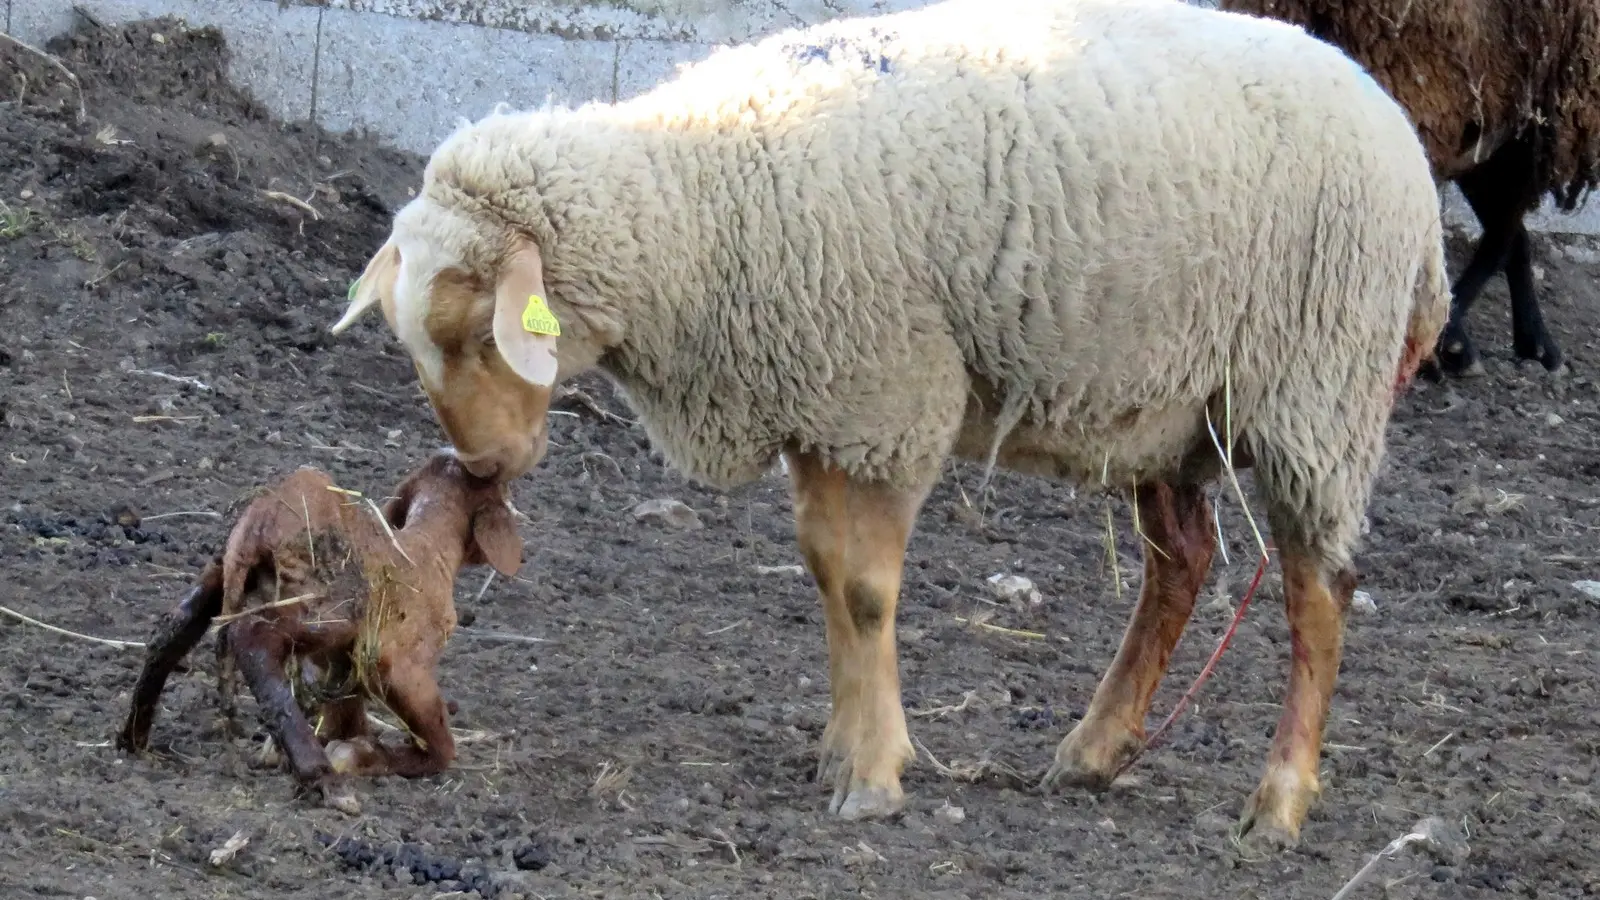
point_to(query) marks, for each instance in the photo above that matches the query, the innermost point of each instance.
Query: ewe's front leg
(1177, 520)
(853, 537)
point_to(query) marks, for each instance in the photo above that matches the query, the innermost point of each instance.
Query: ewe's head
(468, 302)
(441, 491)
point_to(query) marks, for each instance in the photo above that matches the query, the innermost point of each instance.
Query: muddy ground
(658, 740)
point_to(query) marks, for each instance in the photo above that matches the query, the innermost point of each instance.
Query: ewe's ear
(375, 285)
(525, 330)
(495, 540)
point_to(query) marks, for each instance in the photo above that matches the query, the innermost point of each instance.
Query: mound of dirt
(640, 707)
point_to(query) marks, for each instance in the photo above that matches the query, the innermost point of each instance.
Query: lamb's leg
(345, 719)
(414, 696)
(175, 635)
(1529, 339)
(227, 681)
(261, 651)
(853, 537)
(1177, 519)
(1316, 605)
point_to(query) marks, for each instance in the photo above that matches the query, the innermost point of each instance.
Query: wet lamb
(321, 606)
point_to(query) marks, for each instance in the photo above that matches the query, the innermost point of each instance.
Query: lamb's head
(442, 496)
(468, 303)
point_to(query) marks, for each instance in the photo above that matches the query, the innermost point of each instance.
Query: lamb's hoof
(338, 794)
(343, 757)
(867, 802)
(130, 743)
(1089, 757)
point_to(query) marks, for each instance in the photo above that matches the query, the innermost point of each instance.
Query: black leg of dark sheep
(1529, 340)
(1500, 192)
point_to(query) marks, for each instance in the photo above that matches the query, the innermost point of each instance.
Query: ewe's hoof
(1270, 821)
(1090, 756)
(866, 802)
(1265, 838)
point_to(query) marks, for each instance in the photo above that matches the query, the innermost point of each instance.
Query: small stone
(26, 194)
(1553, 420)
(1013, 587)
(125, 515)
(531, 856)
(1363, 603)
(158, 38)
(669, 512)
(1107, 825)
(950, 815)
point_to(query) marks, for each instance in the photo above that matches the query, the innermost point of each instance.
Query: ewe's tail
(174, 636)
(1430, 309)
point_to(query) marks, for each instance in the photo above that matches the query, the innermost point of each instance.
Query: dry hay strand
(378, 612)
(970, 772)
(72, 634)
(275, 604)
(967, 699)
(610, 779)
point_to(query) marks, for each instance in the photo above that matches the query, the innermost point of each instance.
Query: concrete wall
(409, 69)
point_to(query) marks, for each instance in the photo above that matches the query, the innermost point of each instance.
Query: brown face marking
(487, 410)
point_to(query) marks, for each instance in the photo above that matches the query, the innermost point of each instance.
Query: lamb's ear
(397, 509)
(375, 284)
(495, 540)
(525, 331)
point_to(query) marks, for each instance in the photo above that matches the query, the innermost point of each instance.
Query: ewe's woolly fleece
(865, 237)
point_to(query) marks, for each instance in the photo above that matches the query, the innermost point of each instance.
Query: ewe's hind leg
(1177, 519)
(1317, 602)
(1314, 505)
(853, 537)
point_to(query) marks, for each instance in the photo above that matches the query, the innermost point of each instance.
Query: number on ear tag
(538, 319)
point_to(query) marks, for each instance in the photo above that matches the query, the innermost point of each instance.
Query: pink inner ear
(531, 356)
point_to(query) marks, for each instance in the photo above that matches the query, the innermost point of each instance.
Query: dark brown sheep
(1505, 95)
(322, 605)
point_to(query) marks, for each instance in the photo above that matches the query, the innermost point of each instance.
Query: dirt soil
(164, 350)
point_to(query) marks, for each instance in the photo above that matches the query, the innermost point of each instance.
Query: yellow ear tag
(537, 318)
